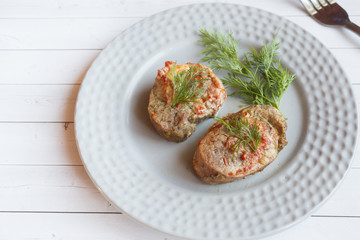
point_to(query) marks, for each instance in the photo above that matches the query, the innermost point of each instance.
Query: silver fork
(328, 12)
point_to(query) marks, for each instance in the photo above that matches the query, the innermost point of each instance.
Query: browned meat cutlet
(177, 123)
(216, 162)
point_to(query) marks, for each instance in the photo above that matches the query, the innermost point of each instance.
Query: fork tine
(316, 4)
(309, 7)
(323, 3)
(331, 1)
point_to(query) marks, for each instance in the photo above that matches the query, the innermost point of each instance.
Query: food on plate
(240, 144)
(245, 142)
(257, 78)
(183, 96)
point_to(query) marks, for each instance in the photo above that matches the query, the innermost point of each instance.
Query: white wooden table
(46, 46)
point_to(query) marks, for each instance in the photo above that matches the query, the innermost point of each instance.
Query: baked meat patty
(177, 122)
(216, 161)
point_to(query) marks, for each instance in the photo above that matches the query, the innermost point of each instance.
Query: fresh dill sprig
(247, 134)
(258, 79)
(188, 85)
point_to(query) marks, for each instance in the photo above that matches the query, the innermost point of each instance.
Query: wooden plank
(38, 103)
(72, 226)
(45, 67)
(44, 188)
(70, 66)
(321, 228)
(44, 226)
(38, 144)
(343, 202)
(356, 158)
(72, 33)
(113, 8)
(50, 144)
(128, 8)
(331, 37)
(95, 33)
(349, 60)
(49, 103)
(64, 188)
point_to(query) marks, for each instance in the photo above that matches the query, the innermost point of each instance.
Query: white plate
(152, 179)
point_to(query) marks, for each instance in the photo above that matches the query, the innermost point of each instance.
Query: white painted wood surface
(46, 46)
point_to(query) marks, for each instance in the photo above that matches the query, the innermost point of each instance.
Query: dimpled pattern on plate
(319, 165)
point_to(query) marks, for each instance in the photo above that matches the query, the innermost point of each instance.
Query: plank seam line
(40, 84)
(303, 14)
(40, 122)
(89, 18)
(334, 216)
(58, 212)
(117, 213)
(40, 165)
(51, 49)
(100, 49)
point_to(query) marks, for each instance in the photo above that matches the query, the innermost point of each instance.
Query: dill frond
(247, 134)
(189, 85)
(259, 78)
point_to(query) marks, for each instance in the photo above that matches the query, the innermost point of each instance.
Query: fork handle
(353, 27)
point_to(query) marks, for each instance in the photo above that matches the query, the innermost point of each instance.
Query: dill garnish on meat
(189, 85)
(248, 134)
